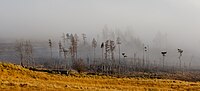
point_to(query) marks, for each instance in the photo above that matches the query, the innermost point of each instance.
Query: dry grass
(13, 77)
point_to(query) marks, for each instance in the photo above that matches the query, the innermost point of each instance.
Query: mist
(174, 22)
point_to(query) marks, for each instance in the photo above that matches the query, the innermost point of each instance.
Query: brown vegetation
(14, 77)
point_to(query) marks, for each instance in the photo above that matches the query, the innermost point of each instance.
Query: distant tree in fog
(180, 51)
(119, 43)
(24, 50)
(74, 46)
(20, 51)
(164, 54)
(107, 49)
(102, 48)
(112, 48)
(94, 45)
(84, 38)
(50, 46)
(64, 38)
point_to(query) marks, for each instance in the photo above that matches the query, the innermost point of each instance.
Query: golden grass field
(16, 78)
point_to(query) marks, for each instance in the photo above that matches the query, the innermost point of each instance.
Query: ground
(16, 78)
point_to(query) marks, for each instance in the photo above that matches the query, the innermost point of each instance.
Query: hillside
(14, 77)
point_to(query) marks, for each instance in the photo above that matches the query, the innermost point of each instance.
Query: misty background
(161, 24)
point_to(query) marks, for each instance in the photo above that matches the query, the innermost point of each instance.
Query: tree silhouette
(119, 43)
(73, 47)
(180, 51)
(164, 54)
(50, 45)
(25, 50)
(84, 38)
(19, 50)
(112, 48)
(60, 51)
(94, 45)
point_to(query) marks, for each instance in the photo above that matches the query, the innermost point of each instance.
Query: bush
(79, 65)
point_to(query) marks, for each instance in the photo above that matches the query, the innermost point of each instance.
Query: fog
(175, 20)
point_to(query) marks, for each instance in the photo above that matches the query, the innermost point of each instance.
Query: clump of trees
(110, 55)
(24, 50)
(107, 63)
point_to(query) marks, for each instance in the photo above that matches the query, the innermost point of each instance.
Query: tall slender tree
(119, 43)
(164, 54)
(180, 51)
(76, 45)
(102, 59)
(25, 51)
(102, 47)
(65, 57)
(50, 46)
(112, 48)
(72, 47)
(60, 52)
(84, 38)
(19, 49)
(94, 45)
(64, 39)
(107, 49)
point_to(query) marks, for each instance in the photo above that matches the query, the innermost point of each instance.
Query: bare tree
(76, 45)
(30, 53)
(164, 54)
(60, 52)
(28, 48)
(190, 63)
(144, 51)
(65, 57)
(112, 48)
(94, 45)
(107, 49)
(102, 59)
(25, 51)
(84, 38)
(124, 59)
(180, 51)
(73, 47)
(119, 43)
(68, 37)
(64, 38)
(20, 50)
(50, 46)
(102, 47)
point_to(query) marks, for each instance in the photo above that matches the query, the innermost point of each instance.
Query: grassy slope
(13, 77)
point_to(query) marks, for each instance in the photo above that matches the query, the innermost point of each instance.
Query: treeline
(114, 52)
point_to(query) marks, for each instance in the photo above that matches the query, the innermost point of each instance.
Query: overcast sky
(179, 19)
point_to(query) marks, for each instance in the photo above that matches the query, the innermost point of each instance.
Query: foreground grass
(13, 77)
